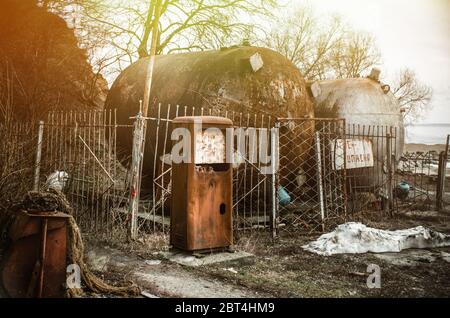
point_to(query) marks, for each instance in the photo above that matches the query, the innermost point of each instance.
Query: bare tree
(355, 54)
(185, 25)
(323, 47)
(300, 39)
(413, 95)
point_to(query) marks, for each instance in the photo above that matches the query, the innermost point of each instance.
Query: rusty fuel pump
(201, 213)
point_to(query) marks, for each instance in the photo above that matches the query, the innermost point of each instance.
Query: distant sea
(429, 134)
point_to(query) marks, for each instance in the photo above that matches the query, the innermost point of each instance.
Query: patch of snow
(355, 238)
(445, 256)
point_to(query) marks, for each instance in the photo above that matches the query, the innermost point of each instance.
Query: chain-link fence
(416, 179)
(81, 154)
(422, 180)
(326, 171)
(311, 179)
(373, 156)
(252, 190)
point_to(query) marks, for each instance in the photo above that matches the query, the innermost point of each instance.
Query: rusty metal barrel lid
(210, 120)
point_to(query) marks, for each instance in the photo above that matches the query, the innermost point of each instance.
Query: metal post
(319, 180)
(389, 202)
(42, 260)
(274, 151)
(440, 191)
(446, 147)
(344, 171)
(37, 168)
(440, 181)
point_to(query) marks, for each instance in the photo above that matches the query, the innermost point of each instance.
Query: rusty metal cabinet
(34, 264)
(201, 213)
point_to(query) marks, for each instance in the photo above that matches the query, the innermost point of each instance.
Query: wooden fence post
(139, 127)
(135, 173)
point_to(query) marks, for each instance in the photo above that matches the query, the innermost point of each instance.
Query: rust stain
(201, 214)
(35, 263)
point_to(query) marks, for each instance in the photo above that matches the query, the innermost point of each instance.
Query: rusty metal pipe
(44, 226)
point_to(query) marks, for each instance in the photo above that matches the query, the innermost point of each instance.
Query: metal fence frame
(416, 170)
(307, 176)
(84, 145)
(371, 188)
(442, 199)
(426, 175)
(246, 177)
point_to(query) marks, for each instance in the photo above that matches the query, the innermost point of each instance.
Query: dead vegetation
(282, 268)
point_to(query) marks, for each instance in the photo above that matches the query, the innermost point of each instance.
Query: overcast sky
(409, 33)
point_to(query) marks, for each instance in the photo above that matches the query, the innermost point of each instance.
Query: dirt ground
(281, 268)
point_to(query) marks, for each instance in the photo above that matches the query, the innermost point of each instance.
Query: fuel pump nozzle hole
(223, 208)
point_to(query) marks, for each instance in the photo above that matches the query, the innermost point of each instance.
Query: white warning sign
(358, 153)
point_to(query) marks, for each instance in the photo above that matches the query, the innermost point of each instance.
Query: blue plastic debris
(401, 191)
(404, 186)
(283, 196)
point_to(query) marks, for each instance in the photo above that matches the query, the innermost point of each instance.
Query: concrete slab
(187, 259)
(165, 279)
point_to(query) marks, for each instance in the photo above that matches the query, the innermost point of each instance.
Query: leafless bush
(17, 145)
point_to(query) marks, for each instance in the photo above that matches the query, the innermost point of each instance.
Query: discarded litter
(354, 238)
(283, 196)
(231, 269)
(152, 262)
(148, 295)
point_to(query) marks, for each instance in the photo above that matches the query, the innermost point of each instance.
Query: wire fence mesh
(422, 180)
(252, 190)
(313, 189)
(369, 185)
(79, 157)
(419, 172)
